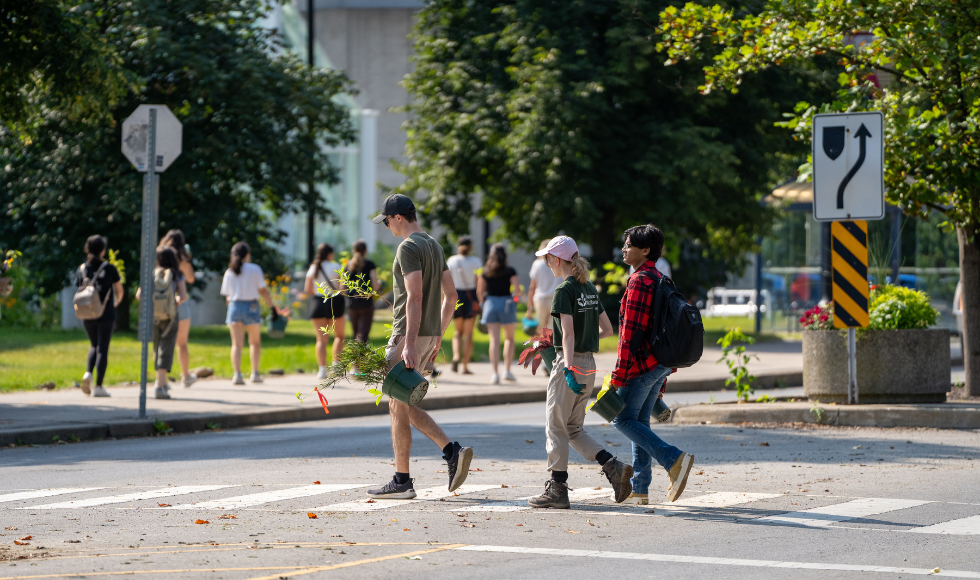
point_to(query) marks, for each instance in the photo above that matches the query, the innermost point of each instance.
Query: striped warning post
(849, 247)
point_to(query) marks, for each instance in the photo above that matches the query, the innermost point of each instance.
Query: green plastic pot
(548, 356)
(405, 385)
(277, 328)
(610, 405)
(661, 412)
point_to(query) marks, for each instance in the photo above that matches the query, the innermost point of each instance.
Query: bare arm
(188, 270)
(530, 296)
(309, 287)
(480, 289)
(568, 339)
(264, 293)
(515, 286)
(448, 300)
(605, 327)
(118, 287)
(413, 317)
(182, 291)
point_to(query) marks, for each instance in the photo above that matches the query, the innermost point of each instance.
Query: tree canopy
(559, 116)
(930, 50)
(254, 118)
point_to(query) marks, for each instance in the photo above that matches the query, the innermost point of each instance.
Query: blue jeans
(640, 393)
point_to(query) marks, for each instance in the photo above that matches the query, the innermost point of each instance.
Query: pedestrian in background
(463, 268)
(637, 374)
(106, 278)
(168, 292)
(175, 239)
(541, 290)
(580, 321)
(498, 289)
(361, 310)
(329, 313)
(242, 285)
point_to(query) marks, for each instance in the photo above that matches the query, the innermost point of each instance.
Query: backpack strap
(91, 281)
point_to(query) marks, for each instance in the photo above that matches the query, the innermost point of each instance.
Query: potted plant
(6, 285)
(280, 292)
(541, 351)
(359, 361)
(608, 404)
(899, 358)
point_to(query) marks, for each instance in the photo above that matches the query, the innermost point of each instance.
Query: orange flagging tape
(323, 401)
(579, 371)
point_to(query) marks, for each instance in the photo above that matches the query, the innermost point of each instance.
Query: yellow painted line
(132, 572)
(362, 562)
(859, 282)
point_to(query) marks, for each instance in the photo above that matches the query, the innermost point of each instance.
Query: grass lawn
(31, 357)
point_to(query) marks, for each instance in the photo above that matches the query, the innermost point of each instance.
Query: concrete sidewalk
(34, 417)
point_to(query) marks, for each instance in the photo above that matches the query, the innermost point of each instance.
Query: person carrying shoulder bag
(168, 292)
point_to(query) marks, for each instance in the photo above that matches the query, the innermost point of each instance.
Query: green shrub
(899, 308)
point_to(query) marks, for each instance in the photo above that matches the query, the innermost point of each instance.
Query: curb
(772, 381)
(183, 423)
(936, 416)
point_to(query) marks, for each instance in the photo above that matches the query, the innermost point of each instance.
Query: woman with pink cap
(579, 323)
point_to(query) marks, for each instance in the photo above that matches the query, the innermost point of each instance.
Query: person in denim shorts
(242, 285)
(498, 289)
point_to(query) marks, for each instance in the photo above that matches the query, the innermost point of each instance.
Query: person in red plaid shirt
(637, 375)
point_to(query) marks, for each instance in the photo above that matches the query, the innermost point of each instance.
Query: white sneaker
(238, 380)
(161, 392)
(509, 376)
(322, 374)
(256, 378)
(189, 380)
(495, 379)
(100, 392)
(87, 383)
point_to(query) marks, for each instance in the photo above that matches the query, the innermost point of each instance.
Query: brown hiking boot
(555, 496)
(619, 474)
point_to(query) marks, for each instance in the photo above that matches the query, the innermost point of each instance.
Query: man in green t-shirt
(425, 298)
(579, 323)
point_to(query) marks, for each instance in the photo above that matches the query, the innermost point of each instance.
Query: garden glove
(572, 384)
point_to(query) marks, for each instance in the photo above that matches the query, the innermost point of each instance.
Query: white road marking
(720, 561)
(520, 504)
(34, 494)
(831, 514)
(720, 499)
(429, 494)
(244, 501)
(963, 527)
(156, 493)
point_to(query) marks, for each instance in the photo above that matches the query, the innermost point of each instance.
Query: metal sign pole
(852, 385)
(148, 255)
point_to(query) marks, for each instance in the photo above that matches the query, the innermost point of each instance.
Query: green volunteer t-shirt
(419, 252)
(581, 301)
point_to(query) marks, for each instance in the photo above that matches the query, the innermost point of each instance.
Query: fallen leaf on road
(520, 525)
(369, 501)
(529, 440)
(469, 525)
(502, 485)
(699, 473)
(10, 528)
(25, 538)
(202, 522)
(935, 570)
(311, 515)
(413, 557)
(316, 483)
(573, 532)
(227, 517)
(649, 512)
(406, 530)
(763, 444)
(596, 488)
(590, 523)
(336, 536)
(477, 469)
(163, 504)
(21, 543)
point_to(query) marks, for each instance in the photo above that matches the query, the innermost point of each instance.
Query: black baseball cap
(396, 204)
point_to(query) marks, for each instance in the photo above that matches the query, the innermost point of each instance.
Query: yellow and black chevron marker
(849, 246)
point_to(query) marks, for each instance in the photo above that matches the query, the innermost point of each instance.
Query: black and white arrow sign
(848, 166)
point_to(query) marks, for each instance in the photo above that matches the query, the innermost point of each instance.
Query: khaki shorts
(424, 346)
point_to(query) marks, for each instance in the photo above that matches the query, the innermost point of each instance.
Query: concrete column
(369, 176)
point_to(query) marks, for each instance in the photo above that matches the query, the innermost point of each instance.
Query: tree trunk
(122, 312)
(970, 292)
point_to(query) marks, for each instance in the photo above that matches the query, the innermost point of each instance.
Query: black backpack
(676, 336)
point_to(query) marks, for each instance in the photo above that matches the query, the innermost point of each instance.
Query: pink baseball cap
(562, 246)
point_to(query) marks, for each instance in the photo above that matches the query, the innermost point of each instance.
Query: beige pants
(565, 413)
(424, 346)
(542, 309)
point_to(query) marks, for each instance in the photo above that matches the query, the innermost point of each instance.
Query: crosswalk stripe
(254, 499)
(831, 514)
(520, 504)
(156, 493)
(38, 493)
(720, 499)
(963, 527)
(428, 494)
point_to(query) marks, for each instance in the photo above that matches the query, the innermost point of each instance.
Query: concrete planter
(893, 366)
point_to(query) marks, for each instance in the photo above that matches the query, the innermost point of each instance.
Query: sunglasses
(385, 222)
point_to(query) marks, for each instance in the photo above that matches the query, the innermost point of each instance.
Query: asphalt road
(770, 503)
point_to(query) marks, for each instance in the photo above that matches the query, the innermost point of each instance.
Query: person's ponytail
(580, 268)
(238, 253)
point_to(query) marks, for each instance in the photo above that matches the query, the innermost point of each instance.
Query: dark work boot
(619, 474)
(555, 496)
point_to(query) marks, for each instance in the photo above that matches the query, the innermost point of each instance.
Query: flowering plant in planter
(532, 355)
(819, 317)
(6, 262)
(899, 308)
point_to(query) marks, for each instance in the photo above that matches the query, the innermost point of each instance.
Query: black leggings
(99, 333)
